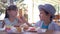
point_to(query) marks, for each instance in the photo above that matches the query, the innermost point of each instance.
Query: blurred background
(29, 9)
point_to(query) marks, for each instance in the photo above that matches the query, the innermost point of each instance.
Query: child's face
(12, 13)
(43, 15)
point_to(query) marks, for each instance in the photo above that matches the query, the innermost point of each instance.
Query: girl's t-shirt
(8, 22)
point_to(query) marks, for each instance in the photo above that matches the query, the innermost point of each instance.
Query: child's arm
(22, 20)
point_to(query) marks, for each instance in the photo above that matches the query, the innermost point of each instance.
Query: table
(48, 32)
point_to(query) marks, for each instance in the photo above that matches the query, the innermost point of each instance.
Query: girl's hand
(17, 25)
(23, 20)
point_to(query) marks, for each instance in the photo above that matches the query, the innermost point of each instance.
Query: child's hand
(31, 29)
(26, 28)
(17, 25)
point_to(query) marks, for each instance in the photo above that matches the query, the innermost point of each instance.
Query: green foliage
(2, 7)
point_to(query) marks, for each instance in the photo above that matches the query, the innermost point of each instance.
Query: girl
(11, 17)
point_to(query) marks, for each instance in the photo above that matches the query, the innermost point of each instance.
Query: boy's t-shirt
(54, 26)
(44, 26)
(51, 26)
(41, 25)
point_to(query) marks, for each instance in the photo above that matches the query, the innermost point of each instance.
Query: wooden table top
(48, 32)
